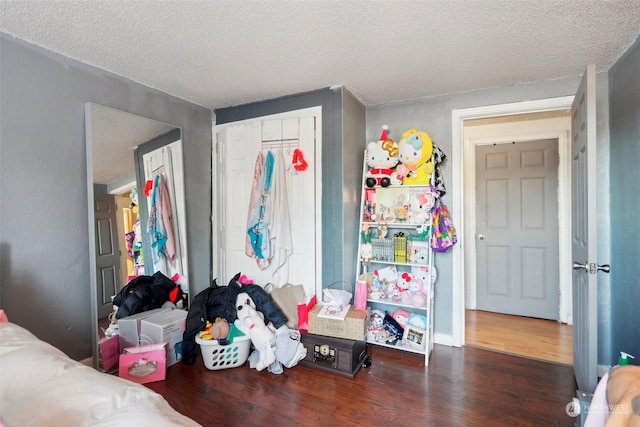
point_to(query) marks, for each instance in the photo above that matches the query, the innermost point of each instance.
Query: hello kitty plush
(414, 152)
(426, 274)
(420, 204)
(416, 290)
(412, 289)
(404, 284)
(382, 157)
(403, 281)
(418, 212)
(251, 323)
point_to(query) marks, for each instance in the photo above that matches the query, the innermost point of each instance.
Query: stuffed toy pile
(407, 162)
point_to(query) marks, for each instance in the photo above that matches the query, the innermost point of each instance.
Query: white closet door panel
(239, 147)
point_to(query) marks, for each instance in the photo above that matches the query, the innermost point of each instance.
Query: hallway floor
(539, 339)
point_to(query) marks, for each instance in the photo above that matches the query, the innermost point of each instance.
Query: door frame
(463, 196)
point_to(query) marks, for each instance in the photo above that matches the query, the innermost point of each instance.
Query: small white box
(129, 327)
(165, 327)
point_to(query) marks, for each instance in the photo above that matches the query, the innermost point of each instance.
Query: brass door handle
(481, 236)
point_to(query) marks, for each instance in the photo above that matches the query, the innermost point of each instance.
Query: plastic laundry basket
(218, 356)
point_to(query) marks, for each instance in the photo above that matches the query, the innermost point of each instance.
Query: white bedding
(41, 386)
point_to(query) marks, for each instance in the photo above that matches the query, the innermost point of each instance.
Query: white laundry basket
(218, 356)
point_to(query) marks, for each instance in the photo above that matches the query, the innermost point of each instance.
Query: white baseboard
(444, 339)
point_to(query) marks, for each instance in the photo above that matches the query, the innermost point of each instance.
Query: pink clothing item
(165, 207)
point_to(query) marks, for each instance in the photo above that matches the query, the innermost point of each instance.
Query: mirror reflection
(137, 200)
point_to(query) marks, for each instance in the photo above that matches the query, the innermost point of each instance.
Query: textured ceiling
(224, 53)
(114, 134)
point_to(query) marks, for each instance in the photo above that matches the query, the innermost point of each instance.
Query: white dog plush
(251, 323)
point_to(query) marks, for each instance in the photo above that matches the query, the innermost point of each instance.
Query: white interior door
(238, 148)
(517, 228)
(584, 233)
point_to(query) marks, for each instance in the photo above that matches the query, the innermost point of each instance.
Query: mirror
(130, 159)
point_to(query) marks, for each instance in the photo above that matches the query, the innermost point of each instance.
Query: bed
(41, 386)
(616, 400)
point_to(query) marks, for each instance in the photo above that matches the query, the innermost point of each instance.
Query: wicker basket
(217, 356)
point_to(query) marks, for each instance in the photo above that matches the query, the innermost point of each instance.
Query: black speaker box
(337, 355)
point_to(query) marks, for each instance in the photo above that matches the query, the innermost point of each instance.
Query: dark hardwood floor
(461, 387)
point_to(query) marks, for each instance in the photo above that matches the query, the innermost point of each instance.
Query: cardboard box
(353, 327)
(144, 364)
(129, 327)
(165, 327)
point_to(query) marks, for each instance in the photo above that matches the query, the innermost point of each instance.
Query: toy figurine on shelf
(366, 249)
(414, 154)
(382, 158)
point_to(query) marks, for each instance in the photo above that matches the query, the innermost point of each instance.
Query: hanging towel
(169, 249)
(280, 225)
(156, 229)
(261, 215)
(253, 200)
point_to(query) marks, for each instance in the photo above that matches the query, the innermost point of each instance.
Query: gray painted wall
(44, 249)
(624, 92)
(353, 142)
(340, 144)
(44, 258)
(433, 115)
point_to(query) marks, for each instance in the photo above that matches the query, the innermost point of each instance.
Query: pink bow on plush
(246, 280)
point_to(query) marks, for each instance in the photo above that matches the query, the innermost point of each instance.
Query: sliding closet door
(238, 149)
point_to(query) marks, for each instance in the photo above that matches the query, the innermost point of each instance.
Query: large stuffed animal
(414, 152)
(251, 323)
(382, 157)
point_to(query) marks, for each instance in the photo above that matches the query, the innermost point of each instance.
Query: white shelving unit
(382, 202)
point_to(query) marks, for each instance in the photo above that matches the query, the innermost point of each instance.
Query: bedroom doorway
(545, 119)
(516, 241)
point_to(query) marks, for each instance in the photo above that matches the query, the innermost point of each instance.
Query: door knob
(592, 268)
(578, 266)
(481, 236)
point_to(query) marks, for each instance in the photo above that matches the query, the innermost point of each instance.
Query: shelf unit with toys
(396, 263)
